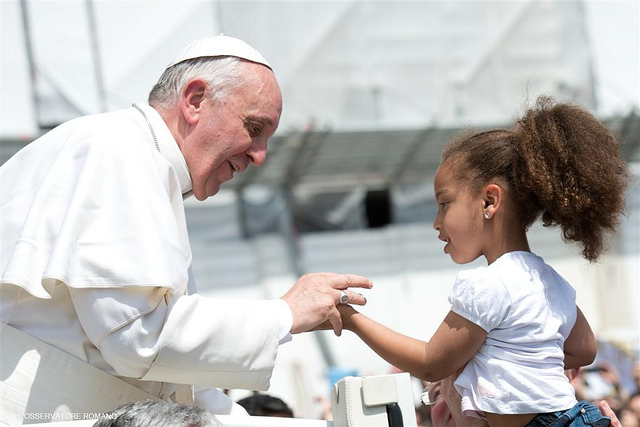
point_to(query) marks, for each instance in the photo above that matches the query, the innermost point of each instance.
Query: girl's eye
(443, 204)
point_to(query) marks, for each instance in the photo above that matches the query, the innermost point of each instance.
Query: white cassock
(95, 261)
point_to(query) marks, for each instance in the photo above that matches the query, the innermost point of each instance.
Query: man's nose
(257, 154)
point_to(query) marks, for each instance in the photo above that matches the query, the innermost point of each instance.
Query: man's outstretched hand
(314, 297)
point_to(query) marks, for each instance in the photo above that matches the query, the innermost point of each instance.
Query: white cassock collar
(169, 148)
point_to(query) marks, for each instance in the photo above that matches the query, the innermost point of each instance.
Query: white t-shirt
(528, 311)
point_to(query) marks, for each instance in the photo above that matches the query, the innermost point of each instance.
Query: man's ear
(492, 197)
(192, 98)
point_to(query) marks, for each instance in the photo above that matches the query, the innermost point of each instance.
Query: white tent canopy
(341, 64)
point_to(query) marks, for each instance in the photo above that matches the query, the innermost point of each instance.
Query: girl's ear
(191, 102)
(492, 198)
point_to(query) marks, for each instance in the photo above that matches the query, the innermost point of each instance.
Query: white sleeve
(216, 401)
(285, 320)
(480, 298)
(149, 334)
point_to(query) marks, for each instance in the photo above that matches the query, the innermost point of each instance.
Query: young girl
(514, 326)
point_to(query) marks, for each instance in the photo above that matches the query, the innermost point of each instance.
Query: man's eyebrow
(264, 119)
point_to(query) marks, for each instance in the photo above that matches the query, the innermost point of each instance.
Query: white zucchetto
(219, 46)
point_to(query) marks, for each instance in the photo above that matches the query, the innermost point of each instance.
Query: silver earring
(486, 215)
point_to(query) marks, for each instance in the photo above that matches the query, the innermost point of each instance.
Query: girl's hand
(346, 311)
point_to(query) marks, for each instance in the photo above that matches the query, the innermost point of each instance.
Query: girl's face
(460, 220)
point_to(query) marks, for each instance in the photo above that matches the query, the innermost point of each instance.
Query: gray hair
(221, 73)
(148, 413)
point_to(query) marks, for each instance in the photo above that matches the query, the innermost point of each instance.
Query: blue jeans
(582, 414)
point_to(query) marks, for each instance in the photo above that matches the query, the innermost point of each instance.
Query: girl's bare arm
(450, 348)
(581, 347)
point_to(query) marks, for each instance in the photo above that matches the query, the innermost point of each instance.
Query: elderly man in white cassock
(97, 300)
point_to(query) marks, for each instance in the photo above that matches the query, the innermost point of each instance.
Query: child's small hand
(346, 311)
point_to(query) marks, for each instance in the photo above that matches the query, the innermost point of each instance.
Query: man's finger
(344, 281)
(344, 296)
(336, 321)
(356, 298)
(350, 297)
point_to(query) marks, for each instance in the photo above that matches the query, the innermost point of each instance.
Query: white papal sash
(41, 383)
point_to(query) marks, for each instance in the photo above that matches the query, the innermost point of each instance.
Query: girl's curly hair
(560, 163)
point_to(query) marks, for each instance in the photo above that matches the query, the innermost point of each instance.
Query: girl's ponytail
(568, 168)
